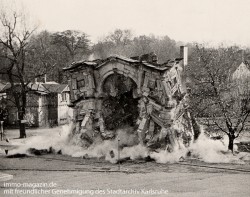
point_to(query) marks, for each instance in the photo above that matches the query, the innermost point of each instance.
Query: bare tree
(17, 66)
(75, 42)
(214, 93)
(103, 49)
(122, 42)
(120, 37)
(119, 42)
(142, 45)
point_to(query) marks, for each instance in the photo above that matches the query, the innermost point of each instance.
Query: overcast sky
(211, 21)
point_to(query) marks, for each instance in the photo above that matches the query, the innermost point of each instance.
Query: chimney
(184, 54)
(242, 55)
(45, 78)
(35, 80)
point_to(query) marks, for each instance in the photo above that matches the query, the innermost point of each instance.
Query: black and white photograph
(125, 98)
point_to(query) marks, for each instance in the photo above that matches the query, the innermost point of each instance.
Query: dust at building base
(146, 99)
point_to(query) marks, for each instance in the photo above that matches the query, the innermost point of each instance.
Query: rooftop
(55, 88)
(43, 88)
(133, 61)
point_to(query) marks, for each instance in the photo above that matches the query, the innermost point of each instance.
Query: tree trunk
(231, 143)
(22, 126)
(22, 130)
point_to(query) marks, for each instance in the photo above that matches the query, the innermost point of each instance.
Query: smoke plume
(204, 148)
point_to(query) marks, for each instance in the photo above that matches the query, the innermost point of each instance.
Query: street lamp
(118, 143)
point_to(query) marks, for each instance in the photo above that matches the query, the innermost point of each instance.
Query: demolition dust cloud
(204, 148)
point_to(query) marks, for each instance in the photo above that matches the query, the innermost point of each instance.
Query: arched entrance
(119, 105)
(111, 93)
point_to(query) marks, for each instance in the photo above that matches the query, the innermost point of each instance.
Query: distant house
(241, 78)
(59, 93)
(2, 94)
(3, 110)
(47, 104)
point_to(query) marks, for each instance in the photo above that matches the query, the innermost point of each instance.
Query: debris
(112, 154)
(86, 156)
(35, 151)
(181, 159)
(18, 155)
(149, 159)
(243, 146)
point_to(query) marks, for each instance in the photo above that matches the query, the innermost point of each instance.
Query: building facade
(151, 97)
(47, 105)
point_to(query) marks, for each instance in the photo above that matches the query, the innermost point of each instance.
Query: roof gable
(243, 70)
(55, 88)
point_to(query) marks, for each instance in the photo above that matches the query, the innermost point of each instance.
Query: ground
(136, 178)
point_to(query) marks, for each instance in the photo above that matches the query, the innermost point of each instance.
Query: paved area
(62, 175)
(5, 177)
(68, 175)
(172, 184)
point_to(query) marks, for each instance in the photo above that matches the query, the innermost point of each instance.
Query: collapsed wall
(137, 92)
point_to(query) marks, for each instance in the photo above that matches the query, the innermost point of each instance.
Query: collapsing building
(138, 92)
